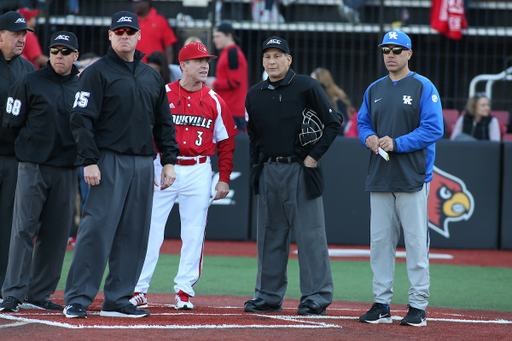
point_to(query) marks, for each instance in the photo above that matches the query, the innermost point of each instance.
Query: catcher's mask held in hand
(311, 128)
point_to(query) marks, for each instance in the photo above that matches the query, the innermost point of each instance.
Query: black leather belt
(282, 159)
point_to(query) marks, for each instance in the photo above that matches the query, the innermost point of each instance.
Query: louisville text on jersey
(194, 121)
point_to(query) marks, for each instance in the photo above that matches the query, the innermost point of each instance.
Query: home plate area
(209, 312)
(222, 317)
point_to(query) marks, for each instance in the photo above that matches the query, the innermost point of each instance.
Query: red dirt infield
(223, 318)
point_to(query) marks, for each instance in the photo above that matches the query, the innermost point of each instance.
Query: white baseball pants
(192, 188)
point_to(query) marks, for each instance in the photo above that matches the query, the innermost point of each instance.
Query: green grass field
(451, 286)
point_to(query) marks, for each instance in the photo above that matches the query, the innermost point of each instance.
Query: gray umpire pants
(114, 228)
(389, 211)
(8, 178)
(43, 209)
(283, 206)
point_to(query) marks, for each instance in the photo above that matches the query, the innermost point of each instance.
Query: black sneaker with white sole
(10, 304)
(415, 317)
(46, 305)
(378, 313)
(75, 310)
(127, 311)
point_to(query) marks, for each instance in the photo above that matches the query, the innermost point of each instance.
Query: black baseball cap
(225, 27)
(14, 22)
(64, 38)
(124, 19)
(277, 42)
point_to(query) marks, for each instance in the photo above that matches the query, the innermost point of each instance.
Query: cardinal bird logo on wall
(449, 201)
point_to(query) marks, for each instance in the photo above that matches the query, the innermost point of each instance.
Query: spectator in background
(265, 11)
(350, 127)
(477, 124)
(509, 127)
(338, 97)
(157, 61)
(156, 34)
(349, 10)
(32, 51)
(74, 8)
(192, 39)
(231, 81)
(86, 60)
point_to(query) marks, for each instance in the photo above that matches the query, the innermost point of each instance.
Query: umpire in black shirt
(291, 124)
(120, 105)
(13, 33)
(37, 118)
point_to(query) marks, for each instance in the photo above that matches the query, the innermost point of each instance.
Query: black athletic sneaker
(75, 310)
(378, 313)
(10, 304)
(127, 311)
(415, 317)
(46, 305)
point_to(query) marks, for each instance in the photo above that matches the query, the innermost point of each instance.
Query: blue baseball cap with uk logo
(397, 38)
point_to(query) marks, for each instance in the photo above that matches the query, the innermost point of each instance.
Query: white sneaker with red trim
(140, 300)
(183, 301)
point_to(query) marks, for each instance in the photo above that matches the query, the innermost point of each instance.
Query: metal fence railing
(320, 35)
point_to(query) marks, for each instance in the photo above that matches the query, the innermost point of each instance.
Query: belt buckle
(281, 158)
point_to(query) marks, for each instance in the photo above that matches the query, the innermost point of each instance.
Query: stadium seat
(450, 117)
(502, 116)
(503, 119)
(507, 137)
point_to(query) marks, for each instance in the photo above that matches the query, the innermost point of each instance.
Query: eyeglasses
(480, 94)
(129, 31)
(64, 51)
(396, 50)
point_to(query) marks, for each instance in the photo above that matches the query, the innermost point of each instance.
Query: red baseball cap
(28, 13)
(194, 51)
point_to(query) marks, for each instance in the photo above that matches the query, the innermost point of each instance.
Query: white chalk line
(307, 322)
(15, 324)
(169, 326)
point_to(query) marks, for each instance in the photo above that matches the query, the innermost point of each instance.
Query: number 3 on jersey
(81, 99)
(199, 140)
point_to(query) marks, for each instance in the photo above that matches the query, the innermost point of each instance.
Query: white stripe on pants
(192, 188)
(389, 211)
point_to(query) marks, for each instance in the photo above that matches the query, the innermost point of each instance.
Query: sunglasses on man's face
(64, 51)
(396, 50)
(129, 31)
